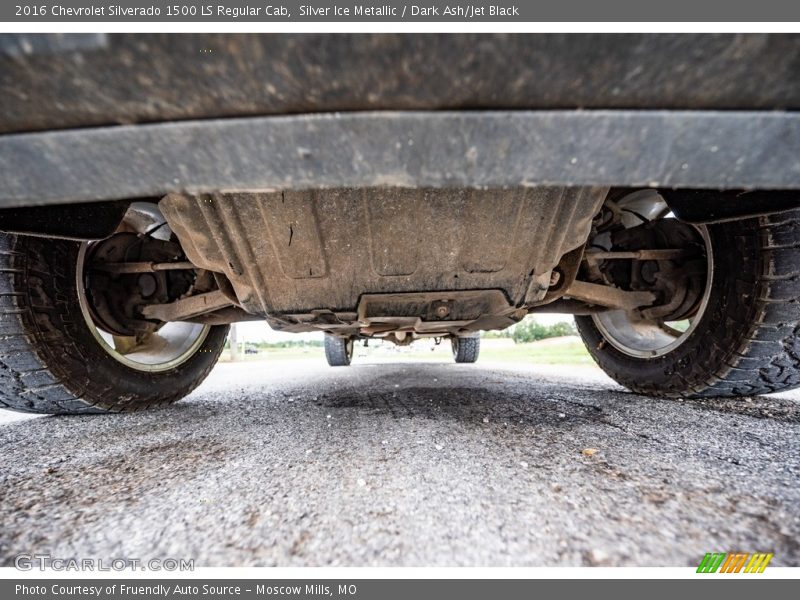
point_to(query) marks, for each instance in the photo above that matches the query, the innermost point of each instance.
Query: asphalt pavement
(410, 464)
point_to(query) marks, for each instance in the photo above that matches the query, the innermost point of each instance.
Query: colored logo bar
(734, 562)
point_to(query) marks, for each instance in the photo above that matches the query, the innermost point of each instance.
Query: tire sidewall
(66, 346)
(701, 359)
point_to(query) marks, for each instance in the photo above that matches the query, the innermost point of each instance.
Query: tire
(746, 340)
(50, 359)
(338, 350)
(466, 349)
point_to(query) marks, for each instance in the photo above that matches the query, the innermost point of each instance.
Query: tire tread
(42, 368)
(467, 349)
(756, 350)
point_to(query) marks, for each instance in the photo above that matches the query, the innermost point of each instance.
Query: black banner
(390, 589)
(330, 11)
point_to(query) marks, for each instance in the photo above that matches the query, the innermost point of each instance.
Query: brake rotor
(678, 283)
(116, 299)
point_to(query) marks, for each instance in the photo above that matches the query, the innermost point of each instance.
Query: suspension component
(664, 257)
(129, 271)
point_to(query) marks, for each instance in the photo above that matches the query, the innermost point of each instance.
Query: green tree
(530, 330)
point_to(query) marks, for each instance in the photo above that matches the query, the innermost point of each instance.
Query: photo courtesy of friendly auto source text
(341, 299)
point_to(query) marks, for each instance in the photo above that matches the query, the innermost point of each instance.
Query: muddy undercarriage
(397, 264)
(396, 188)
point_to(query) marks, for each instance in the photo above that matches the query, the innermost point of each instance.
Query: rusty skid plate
(291, 253)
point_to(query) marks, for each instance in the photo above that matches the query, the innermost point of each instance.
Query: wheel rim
(348, 349)
(649, 339)
(173, 344)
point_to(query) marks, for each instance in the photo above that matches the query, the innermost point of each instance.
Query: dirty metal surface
(713, 150)
(295, 252)
(67, 81)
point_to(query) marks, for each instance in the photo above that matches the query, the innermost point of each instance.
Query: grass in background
(564, 351)
(532, 340)
(543, 353)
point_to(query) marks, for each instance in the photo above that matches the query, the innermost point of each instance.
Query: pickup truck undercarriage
(657, 227)
(390, 262)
